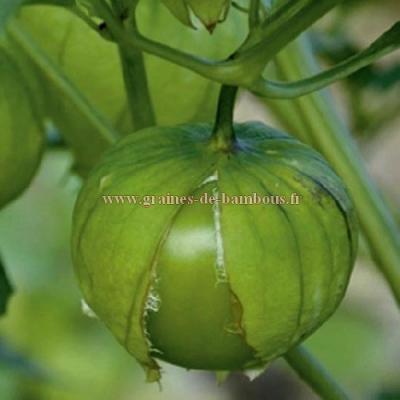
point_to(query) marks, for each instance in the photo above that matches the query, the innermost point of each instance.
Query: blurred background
(49, 350)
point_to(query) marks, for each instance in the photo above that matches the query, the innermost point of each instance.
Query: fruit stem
(312, 372)
(223, 135)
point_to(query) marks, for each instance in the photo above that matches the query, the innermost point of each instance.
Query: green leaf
(6, 289)
(7, 9)
(210, 12)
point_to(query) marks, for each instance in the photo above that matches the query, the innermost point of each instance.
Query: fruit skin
(92, 63)
(21, 137)
(224, 287)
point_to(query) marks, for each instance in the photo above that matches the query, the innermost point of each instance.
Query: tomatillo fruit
(217, 285)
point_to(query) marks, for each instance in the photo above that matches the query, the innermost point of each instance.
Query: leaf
(210, 12)
(14, 360)
(7, 9)
(6, 289)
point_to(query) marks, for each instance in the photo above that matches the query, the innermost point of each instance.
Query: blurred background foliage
(49, 350)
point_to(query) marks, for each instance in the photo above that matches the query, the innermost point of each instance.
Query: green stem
(323, 128)
(285, 24)
(84, 17)
(388, 42)
(254, 14)
(135, 78)
(269, 38)
(313, 373)
(136, 82)
(220, 71)
(240, 7)
(223, 136)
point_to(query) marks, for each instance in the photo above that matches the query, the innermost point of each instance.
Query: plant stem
(84, 17)
(268, 39)
(285, 24)
(140, 105)
(323, 128)
(240, 7)
(136, 82)
(313, 373)
(254, 14)
(223, 135)
(208, 68)
(384, 45)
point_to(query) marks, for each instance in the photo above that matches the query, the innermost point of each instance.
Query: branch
(314, 374)
(282, 27)
(221, 71)
(265, 41)
(254, 14)
(135, 77)
(384, 45)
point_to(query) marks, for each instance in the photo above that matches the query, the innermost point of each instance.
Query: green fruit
(212, 286)
(21, 139)
(93, 64)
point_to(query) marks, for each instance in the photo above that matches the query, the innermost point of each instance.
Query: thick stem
(254, 14)
(137, 90)
(223, 136)
(136, 82)
(314, 374)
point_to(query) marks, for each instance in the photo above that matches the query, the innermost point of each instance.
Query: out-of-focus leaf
(7, 9)
(6, 289)
(373, 91)
(386, 395)
(336, 47)
(12, 359)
